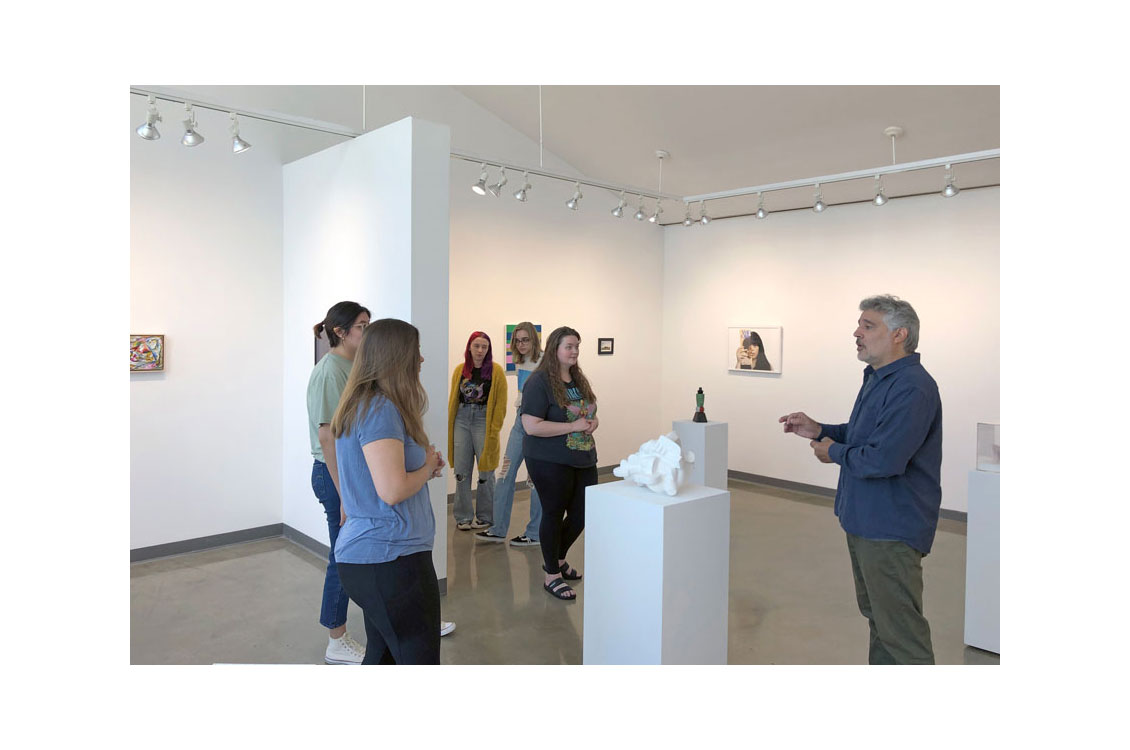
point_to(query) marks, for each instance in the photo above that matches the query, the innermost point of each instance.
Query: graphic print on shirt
(472, 392)
(576, 409)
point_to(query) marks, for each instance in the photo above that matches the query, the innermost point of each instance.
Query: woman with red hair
(475, 412)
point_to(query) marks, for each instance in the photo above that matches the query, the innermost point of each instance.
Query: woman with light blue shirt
(384, 549)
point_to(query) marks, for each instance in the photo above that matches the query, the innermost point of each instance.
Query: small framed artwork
(509, 354)
(146, 352)
(754, 349)
(604, 346)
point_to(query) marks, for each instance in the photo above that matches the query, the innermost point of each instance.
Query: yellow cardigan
(496, 413)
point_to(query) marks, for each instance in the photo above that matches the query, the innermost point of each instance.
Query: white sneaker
(446, 628)
(344, 650)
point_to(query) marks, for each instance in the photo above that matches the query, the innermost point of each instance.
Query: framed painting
(510, 355)
(146, 352)
(605, 346)
(754, 349)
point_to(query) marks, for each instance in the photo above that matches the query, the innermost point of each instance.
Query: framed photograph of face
(147, 352)
(754, 349)
(509, 334)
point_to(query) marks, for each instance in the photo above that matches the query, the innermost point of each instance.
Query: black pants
(400, 600)
(562, 492)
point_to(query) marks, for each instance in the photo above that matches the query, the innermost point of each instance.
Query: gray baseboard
(202, 543)
(205, 542)
(824, 492)
(824, 496)
(308, 543)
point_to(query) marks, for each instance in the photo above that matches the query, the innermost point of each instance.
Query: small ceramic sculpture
(699, 413)
(659, 465)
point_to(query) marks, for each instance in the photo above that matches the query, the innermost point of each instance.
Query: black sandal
(568, 573)
(559, 589)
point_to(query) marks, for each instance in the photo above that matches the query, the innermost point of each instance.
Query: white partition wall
(366, 220)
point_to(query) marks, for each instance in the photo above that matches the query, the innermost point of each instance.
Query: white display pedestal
(983, 562)
(710, 443)
(657, 575)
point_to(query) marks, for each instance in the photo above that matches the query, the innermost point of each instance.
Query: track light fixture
(496, 188)
(520, 193)
(761, 212)
(880, 197)
(190, 137)
(619, 210)
(238, 145)
(480, 187)
(702, 216)
(654, 218)
(950, 190)
(640, 215)
(148, 129)
(571, 204)
(687, 221)
(818, 206)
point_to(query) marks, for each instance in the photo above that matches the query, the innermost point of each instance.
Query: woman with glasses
(559, 417)
(526, 351)
(343, 327)
(475, 411)
(384, 550)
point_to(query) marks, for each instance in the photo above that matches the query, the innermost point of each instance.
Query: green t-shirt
(327, 382)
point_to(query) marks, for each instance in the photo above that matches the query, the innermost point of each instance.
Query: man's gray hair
(897, 313)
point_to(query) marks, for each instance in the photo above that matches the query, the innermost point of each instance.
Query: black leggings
(400, 600)
(562, 491)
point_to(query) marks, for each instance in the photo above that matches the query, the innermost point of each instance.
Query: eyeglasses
(522, 341)
(359, 325)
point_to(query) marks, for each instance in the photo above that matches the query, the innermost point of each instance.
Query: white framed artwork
(754, 349)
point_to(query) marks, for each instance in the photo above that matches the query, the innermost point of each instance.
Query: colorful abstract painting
(510, 355)
(146, 352)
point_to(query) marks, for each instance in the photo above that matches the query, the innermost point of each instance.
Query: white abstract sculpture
(659, 465)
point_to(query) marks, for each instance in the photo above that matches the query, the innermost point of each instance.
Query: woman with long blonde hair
(525, 348)
(559, 417)
(384, 549)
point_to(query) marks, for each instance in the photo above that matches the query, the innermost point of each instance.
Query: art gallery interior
(234, 257)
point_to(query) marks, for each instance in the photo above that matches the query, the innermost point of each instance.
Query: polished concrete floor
(791, 597)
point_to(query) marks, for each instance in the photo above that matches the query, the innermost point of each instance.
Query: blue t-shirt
(374, 531)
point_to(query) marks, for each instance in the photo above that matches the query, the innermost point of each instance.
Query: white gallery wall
(807, 273)
(210, 452)
(206, 271)
(586, 269)
(366, 221)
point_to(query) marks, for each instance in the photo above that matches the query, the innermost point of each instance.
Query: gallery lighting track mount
(500, 165)
(860, 174)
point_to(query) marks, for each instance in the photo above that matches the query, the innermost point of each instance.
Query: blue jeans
(335, 602)
(470, 441)
(504, 491)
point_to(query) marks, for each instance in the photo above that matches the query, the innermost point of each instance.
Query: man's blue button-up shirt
(890, 456)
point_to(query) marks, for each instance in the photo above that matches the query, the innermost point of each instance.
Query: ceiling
(719, 137)
(727, 137)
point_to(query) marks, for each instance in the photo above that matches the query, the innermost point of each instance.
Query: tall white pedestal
(657, 575)
(983, 562)
(710, 443)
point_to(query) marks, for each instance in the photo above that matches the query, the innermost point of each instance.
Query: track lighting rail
(564, 178)
(860, 174)
(201, 104)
